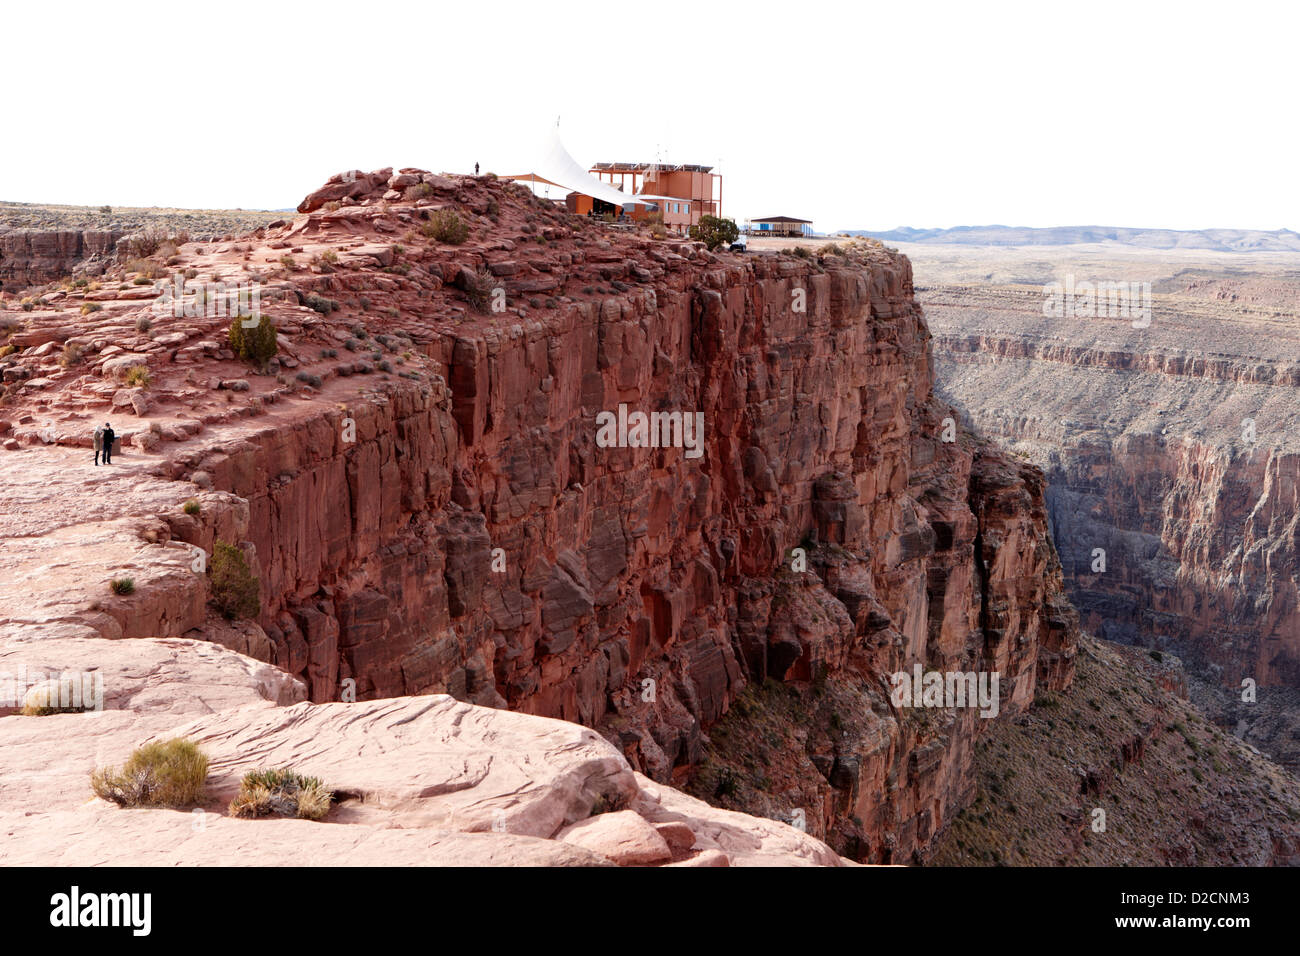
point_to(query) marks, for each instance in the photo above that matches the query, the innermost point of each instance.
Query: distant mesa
(1222, 240)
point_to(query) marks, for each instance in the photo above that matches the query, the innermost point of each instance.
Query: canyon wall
(457, 528)
(1172, 449)
(30, 257)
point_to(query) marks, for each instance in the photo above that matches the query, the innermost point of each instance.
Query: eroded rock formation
(428, 511)
(30, 257)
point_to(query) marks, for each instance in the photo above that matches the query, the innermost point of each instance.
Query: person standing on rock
(476, 169)
(98, 442)
(109, 437)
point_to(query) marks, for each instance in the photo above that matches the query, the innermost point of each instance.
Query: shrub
(137, 376)
(148, 270)
(330, 256)
(235, 592)
(714, 232)
(307, 378)
(285, 792)
(728, 783)
(257, 343)
(803, 252)
(144, 244)
(191, 507)
(445, 225)
(71, 355)
(143, 324)
(364, 303)
(319, 303)
(478, 287)
(416, 192)
(90, 307)
(122, 586)
(289, 263)
(167, 774)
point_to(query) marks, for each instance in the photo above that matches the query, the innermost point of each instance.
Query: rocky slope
(418, 486)
(1122, 769)
(1173, 450)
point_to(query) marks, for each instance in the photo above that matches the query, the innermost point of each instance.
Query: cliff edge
(440, 485)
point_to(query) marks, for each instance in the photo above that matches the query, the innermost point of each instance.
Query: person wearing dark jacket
(109, 437)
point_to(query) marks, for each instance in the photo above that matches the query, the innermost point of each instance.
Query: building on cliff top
(683, 193)
(779, 226)
(630, 191)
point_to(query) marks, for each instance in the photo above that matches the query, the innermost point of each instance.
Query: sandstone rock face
(624, 837)
(459, 526)
(418, 781)
(30, 257)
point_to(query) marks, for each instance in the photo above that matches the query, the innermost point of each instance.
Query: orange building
(682, 193)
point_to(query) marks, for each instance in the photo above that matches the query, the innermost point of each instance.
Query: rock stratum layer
(429, 512)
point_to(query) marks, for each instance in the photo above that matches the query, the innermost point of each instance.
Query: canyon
(1170, 451)
(414, 480)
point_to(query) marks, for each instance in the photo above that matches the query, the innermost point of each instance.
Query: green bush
(167, 774)
(122, 586)
(715, 232)
(255, 343)
(235, 592)
(445, 225)
(319, 303)
(417, 192)
(137, 376)
(284, 792)
(191, 507)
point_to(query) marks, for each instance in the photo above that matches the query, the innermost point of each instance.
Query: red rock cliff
(636, 590)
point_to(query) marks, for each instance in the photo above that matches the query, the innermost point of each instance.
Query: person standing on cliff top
(109, 437)
(98, 442)
(476, 169)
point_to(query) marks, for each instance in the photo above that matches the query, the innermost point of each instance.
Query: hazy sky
(855, 115)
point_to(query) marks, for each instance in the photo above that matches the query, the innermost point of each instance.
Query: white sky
(1178, 115)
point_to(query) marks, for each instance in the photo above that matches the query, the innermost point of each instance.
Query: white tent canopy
(557, 167)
